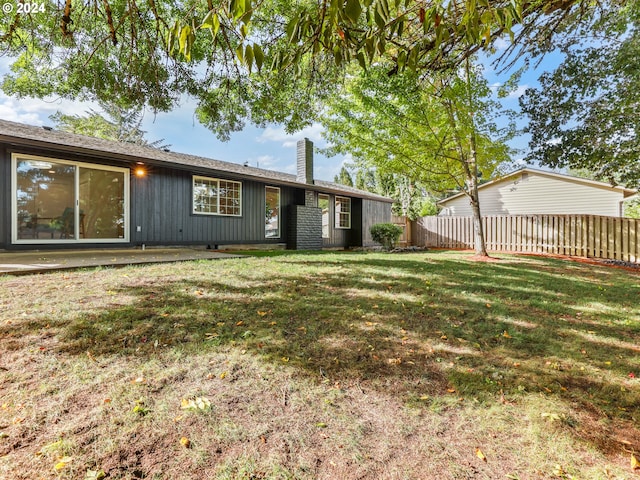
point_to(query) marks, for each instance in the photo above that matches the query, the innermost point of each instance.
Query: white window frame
(217, 180)
(338, 213)
(15, 157)
(328, 199)
(278, 234)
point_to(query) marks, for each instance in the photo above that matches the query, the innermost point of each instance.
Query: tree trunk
(478, 232)
(472, 175)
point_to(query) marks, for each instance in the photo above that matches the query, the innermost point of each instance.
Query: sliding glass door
(60, 201)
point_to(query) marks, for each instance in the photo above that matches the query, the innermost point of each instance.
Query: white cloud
(264, 161)
(278, 134)
(501, 44)
(518, 92)
(35, 111)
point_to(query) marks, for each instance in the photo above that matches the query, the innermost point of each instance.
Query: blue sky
(271, 148)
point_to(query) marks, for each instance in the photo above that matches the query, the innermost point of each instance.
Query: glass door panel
(45, 199)
(102, 204)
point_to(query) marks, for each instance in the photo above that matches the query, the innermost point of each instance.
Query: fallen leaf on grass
(52, 447)
(94, 475)
(185, 442)
(505, 334)
(321, 425)
(62, 463)
(558, 471)
(635, 463)
(480, 455)
(262, 313)
(196, 403)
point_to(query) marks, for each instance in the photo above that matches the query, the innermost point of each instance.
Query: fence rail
(576, 235)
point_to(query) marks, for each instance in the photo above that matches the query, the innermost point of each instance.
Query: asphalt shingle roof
(43, 137)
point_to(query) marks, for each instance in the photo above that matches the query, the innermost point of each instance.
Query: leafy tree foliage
(268, 61)
(585, 113)
(434, 129)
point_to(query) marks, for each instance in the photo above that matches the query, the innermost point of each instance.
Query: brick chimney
(305, 161)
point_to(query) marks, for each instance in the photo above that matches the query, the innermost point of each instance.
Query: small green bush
(386, 234)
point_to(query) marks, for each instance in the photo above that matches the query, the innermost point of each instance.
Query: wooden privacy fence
(575, 235)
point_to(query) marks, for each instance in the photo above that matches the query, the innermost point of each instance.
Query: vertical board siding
(593, 236)
(162, 207)
(5, 198)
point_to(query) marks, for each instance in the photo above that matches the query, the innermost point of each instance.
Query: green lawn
(322, 365)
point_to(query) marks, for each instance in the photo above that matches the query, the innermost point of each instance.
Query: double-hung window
(214, 196)
(343, 212)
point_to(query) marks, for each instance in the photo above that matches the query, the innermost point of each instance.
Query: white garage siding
(535, 192)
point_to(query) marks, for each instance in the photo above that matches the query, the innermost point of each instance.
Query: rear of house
(530, 191)
(61, 190)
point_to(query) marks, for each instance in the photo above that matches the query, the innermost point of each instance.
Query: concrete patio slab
(39, 261)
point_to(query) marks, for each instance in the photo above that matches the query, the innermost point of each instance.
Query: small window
(272, 212)
(323, 204)
(343, 212)
(212, 196)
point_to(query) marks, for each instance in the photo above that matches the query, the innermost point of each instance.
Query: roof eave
(252, 173)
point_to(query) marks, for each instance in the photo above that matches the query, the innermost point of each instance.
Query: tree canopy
(585, 113)
(436, 129)
(403, 124)
(247, 60)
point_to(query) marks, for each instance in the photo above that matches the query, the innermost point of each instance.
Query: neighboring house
(62, 190)
(531, 191)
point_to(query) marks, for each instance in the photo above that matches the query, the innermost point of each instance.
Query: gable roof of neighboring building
(626, 192)
(22, 135)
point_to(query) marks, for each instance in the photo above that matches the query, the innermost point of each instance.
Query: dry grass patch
(334, 365)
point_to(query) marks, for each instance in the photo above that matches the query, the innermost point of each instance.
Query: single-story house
(532, 191)
(62, 190)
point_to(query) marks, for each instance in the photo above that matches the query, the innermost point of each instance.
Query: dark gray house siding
(160, 204)
(372, 212)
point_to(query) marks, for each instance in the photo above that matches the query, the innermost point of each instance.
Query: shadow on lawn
(409, 325)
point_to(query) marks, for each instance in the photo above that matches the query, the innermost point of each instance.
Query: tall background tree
(585, 113)
(437, 129)
(116, 123)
